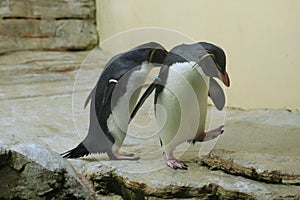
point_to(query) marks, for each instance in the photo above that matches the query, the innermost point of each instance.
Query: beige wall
(261, 39)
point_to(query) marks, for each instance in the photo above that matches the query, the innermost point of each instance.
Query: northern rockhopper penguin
(113, 99)
(185, 81)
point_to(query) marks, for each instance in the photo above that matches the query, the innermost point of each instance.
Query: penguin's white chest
(182, 105)
(118, 121)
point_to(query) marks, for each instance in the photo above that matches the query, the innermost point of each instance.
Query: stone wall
(47, 25)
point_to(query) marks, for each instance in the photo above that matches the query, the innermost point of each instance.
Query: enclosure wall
(261, 40)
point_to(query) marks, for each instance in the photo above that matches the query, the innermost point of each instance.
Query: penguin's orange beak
(225, 79)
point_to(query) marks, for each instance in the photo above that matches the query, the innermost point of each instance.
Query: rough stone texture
(55, 9)
(31, 171)
(273, 169)
(42, 96)
(199, 182)
(47, 25)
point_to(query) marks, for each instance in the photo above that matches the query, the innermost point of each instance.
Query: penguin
(113, 99)
(184, 83)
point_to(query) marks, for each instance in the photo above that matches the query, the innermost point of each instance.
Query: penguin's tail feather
(77, 152)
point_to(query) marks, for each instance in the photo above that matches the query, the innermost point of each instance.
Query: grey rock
(31, 171)
(16, 35)
(56, 9)
(47, 25)
(198, 182)
(262, 167)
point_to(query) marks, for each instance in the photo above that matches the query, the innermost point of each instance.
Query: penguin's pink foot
(207, 136)
(175, 164)
(123, 156)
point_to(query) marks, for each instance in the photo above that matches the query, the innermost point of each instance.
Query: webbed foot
(207, 136)
(175, 164)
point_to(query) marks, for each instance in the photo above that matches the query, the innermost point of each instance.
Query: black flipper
(147, 93)
(142, 100)
(107, 93)
(216, 94)
(77, 152)
(109, 89)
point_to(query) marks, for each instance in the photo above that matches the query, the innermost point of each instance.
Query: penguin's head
(216, 54)
(210, 57)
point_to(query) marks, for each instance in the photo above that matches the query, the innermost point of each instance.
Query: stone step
(54, 9)
(47, 25)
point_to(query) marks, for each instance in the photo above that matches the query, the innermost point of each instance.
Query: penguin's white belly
(182, 105)
(117, 122)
